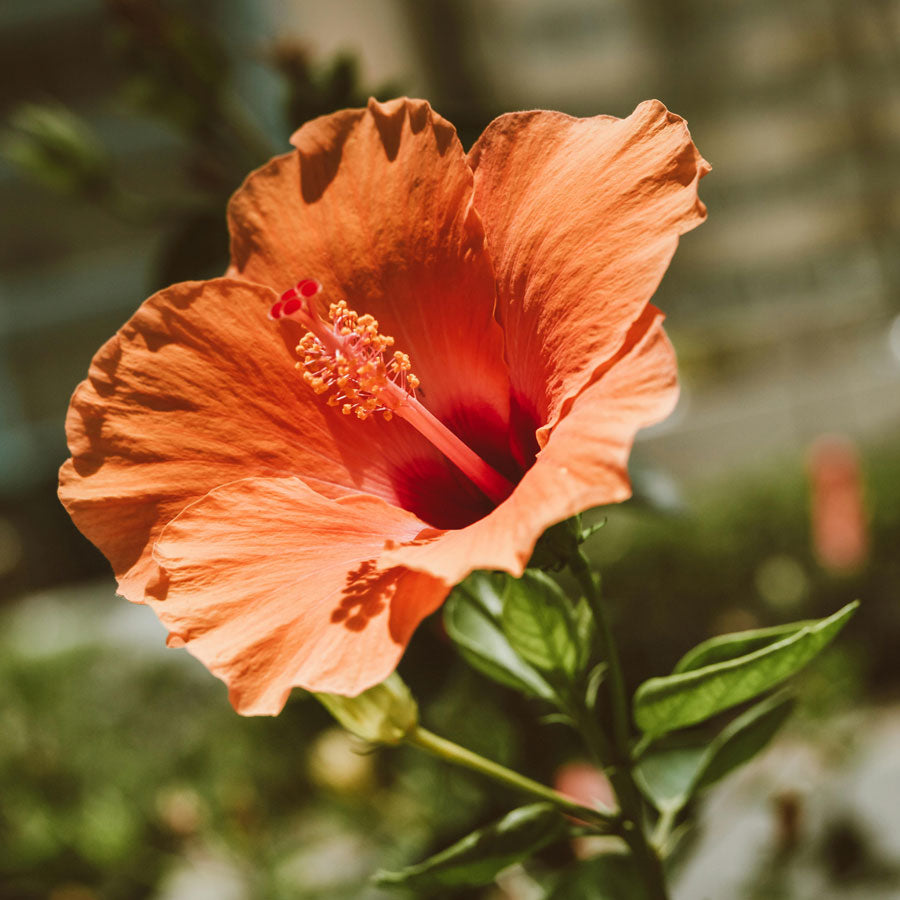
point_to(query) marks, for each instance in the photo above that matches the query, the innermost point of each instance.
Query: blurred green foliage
(175, 69)
(57, 149)
(122, 773)
(741, 556)
(118, 769)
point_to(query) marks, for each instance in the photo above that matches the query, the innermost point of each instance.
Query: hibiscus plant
(419, 369)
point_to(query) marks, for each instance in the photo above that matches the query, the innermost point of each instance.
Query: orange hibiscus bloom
(292, 528)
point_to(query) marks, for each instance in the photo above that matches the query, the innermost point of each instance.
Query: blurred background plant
(123, 772)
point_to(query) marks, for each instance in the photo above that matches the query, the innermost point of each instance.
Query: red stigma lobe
(291, 301)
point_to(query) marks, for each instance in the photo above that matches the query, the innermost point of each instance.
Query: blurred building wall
(781, 305)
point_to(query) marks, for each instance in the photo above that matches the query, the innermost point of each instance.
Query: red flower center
(345, 358)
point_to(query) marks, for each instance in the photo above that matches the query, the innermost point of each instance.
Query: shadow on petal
(366, 593)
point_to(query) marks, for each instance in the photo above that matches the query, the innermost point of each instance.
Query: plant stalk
(615, 752)
(600, 821)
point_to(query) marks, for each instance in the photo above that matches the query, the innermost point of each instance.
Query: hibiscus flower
(292, 526)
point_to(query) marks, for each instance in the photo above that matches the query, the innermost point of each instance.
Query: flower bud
(383, 714)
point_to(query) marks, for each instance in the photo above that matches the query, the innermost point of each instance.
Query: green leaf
(586, 629)
(669, 778)
(539, 623)
(742, 739)
(728, 646)
(611, 876)
(472, 618)
(665, 704)
(665, 777)
(594, 680)
(479, 856)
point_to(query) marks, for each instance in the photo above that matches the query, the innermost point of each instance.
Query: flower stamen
(345, 359)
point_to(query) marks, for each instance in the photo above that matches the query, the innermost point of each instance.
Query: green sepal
(556, 545)
(589, 531)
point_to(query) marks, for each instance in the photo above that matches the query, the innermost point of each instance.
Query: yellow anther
(352, 367)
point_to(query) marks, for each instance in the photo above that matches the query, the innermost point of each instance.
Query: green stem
(616, 751)
(586, 578)
(447, 750)
(662, 833)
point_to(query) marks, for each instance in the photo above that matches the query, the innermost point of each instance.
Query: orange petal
(196, 390)
(272, 586)
(582, 218)
(377, 205)
(582, 465)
